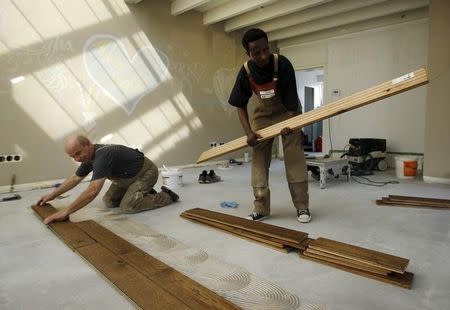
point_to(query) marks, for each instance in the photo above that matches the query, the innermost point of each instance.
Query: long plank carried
(376, 93)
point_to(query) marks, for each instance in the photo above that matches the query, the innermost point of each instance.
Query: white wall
(361, 60)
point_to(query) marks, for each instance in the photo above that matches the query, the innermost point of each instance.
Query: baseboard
(428, 179)
(51, 183)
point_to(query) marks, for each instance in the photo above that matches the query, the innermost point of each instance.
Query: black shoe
(172, 194)
(203, 177)
(257, 217)
(234, 162)
(213, 177)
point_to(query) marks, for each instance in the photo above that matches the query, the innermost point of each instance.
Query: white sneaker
(304, 216)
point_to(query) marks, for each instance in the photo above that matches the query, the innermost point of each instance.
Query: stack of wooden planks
(148, 282)
(279, 238)
(362, 98)
(408, 201)
(372, 264)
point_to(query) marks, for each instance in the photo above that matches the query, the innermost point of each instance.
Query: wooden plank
(422, 199)
(370, 257)
(191, 292)
(403, 280)
(343, 261)
(246, 232)
(243, 234)
(376, 93)
(144, 292)
(388, 202)
(148, 282)
(194, 294)
(419, 201)
(249, 225)
(72, 235)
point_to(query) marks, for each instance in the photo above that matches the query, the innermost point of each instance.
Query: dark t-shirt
(112, 161)
(286, 85)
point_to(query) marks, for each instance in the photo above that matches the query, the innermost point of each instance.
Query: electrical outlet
(221, 143)
(10, 158)
(212, 144)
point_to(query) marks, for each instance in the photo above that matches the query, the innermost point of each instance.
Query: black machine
(367, 154)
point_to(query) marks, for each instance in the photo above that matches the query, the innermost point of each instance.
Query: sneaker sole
(304, 221)
(258, 220)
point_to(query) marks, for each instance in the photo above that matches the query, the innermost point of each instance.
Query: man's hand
(59, 216)
(43, 200)
(286, 131)
(252, 138)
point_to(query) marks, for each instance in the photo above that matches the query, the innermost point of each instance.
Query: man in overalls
(132, 174)
(272, 78)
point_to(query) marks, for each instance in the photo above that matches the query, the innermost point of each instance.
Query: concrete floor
(38, 271)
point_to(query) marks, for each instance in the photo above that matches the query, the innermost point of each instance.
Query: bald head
(79, 148)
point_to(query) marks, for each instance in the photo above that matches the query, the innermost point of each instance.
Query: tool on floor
(10, 198)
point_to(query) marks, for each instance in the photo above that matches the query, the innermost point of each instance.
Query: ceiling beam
(373, 11)
(379, 22)
(231, 9)
(278, 9)
(180, 6)
(316, 12)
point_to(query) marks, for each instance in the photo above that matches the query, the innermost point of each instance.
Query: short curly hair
(253, 35)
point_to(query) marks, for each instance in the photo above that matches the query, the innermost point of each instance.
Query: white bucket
(172, 178)
(406, 167)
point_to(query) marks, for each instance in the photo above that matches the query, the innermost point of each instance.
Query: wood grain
(369, 257)
(354, 101)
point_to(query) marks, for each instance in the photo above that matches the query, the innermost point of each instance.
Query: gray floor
(38, 271)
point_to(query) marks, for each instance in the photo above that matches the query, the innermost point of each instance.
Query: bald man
(132, 174)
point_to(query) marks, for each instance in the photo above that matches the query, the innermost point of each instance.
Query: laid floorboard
(70, 233)
(145, 293)
(370, 257)
(148, 282)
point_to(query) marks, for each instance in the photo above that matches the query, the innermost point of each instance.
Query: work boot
(171, 193)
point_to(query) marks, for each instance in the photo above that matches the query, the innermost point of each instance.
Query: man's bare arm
(67, 185)
(85, 197)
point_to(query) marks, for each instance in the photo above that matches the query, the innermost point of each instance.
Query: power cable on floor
(371, 182)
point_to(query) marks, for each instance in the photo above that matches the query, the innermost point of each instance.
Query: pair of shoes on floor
(171, 193)
(207, 178)
(303, 216)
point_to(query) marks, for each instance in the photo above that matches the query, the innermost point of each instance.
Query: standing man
(132, 174)
(272, 78)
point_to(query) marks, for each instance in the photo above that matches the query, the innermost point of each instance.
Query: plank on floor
(403, 280)
(282, 233)
(370, 257)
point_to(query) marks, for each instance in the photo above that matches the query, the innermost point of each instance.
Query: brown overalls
(136, 194)
(268, 111)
